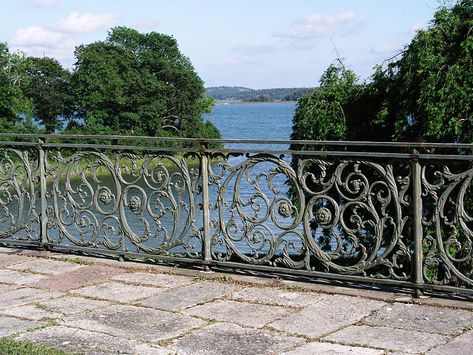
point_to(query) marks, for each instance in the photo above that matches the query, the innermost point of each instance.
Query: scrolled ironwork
(448, 240)
(120, 202)
(343, 217)
(19, 178)
(397, 214)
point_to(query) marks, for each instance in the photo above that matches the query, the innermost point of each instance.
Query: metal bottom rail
(267, 271)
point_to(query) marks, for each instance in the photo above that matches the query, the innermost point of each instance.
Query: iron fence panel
(386, 213)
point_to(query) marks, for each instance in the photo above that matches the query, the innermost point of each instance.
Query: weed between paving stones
(75, 260)
(8, 345)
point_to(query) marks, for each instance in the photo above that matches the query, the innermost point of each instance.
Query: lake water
(266, 121)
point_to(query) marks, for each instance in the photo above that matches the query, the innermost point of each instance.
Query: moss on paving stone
(20, 347)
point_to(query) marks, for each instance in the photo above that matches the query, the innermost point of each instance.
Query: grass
(129, 164)
(75, 260)
(21, 347)
(199, 278)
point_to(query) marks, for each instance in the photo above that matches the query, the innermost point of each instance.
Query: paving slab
(188, 296)
(410, 341)
(332, 349)
(5, 287)
(35, 252)
(10, 259)
(136, 323)
(85, 276)
(5, 250)
(249, 314)
(424, 318)
(10, 325)
(86, 342)
(327, 316)
(276, 296)
(115, 291)
(32, 312)
(71, 305)
(462, 344)
(24, 295)
(224, 338)
(46, 266)
(152, 279)
(444, 302)
(18, 277)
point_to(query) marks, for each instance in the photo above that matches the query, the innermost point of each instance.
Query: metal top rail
(412, 145)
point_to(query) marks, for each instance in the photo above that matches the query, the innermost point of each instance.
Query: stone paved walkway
(95, 306)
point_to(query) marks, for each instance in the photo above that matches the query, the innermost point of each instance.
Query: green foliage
(426, 94)
(134, 83)
(434, 78)
(48, 87)
(20, 347)
(321, 115)
(246, 94)
(131, 83)
(15, 107)
(260, 98)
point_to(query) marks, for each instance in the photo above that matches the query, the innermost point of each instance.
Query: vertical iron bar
(43, 186)
(206, 247)
(417, 216)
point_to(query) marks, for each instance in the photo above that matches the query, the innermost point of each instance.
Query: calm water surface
(254, 121)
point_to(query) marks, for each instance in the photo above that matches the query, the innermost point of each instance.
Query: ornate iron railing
(399, 214)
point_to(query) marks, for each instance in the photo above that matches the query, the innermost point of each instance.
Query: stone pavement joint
(386, 338)
(45, 266)
(97, 306)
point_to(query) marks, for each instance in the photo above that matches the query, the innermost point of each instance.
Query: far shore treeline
(129, 84)
(238, 93)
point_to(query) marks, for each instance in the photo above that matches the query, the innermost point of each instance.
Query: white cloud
(418, 26)
(146, 24)
(59, 40)
(253, 50)
(303, 45)
(44, 3)
(241, 60)
(36, 36)
(85, 22)
(318, 25)
(248, 55)
(62, 52)
(386, 48)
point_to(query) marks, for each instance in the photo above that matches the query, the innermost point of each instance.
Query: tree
(433, 80)
(424, 94)
(321, 115)
(48, 87)
(137, 83)
(15, 107)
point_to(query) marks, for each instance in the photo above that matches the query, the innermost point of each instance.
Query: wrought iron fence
(387, 213)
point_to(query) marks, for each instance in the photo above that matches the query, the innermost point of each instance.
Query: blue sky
(252, 43)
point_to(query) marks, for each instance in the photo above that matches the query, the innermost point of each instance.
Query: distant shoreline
(222, 103)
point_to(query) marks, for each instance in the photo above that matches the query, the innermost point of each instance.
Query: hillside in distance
(228, 93)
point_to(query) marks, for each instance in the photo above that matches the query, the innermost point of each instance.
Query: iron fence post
(43, 187)
(206, 247)
(417, 219)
